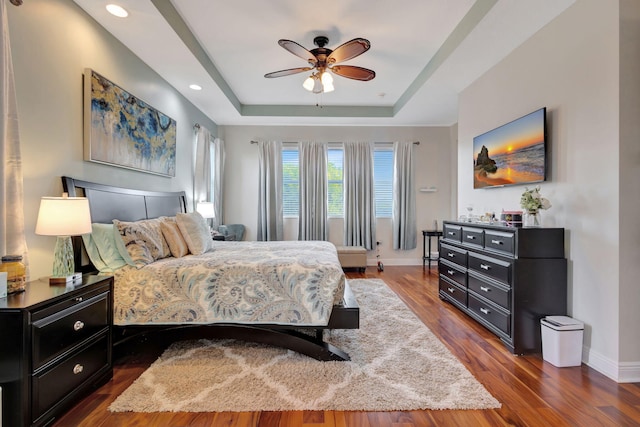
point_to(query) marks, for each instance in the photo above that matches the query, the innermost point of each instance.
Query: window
(290, 182)
(383, 182)
(335, 187)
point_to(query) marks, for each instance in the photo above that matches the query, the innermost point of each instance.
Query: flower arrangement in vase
(532, 202)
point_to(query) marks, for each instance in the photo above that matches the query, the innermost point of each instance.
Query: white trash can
(562, 340)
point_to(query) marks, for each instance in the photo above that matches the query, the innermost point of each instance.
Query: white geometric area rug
(397, 364)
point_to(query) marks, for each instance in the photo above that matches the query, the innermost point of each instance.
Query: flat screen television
(514, 153)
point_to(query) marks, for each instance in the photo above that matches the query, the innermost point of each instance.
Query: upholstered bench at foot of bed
(352, 257)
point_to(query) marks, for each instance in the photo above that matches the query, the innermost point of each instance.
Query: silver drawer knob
(450, 272)
(484, 310)
(451, 233)
(451, 290)
(450, 254)
(484, 289)
(78, 325)
(78, 369)
(496, 242)
(484, 266)
(471, 237)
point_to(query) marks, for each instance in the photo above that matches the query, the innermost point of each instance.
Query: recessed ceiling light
(195, 87)
(116, 10)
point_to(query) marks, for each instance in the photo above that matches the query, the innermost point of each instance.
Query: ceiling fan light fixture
(317, 85)
(328, 88)
(327, 79)
(309, 83)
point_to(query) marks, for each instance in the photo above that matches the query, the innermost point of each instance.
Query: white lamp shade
(63, 216)
(308, 84)
(206, 209)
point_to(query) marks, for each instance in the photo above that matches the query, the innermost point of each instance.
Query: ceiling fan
(322, 59)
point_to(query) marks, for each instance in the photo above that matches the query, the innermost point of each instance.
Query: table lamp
(206, 209)
(63, 217)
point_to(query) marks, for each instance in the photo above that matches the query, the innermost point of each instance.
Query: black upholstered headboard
(107, 203)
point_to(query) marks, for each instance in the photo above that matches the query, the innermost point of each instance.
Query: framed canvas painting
(122, 130)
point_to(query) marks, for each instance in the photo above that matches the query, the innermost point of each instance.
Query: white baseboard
(621, 372)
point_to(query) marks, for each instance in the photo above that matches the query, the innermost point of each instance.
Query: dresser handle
(484, 289)
(496, 242)
(78, 325)
(484, 267)
(451, 272)
(78, 369)
(451, 290)
(451, 254)
(484, 310)
(451, 233)
(79, 299)
(470, 237)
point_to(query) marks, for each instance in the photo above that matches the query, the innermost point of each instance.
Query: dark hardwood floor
(532, 392)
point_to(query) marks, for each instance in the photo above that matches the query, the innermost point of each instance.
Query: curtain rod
(415, 142)
(196, 126)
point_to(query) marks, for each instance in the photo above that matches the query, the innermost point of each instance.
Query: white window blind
(335, 189)
(383, 181)
(290, 182)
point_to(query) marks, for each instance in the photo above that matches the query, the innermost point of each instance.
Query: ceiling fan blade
(288, 72)
(298, 50)
(349, 50)
(351, 72)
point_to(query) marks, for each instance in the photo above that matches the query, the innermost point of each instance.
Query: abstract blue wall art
(122, 130)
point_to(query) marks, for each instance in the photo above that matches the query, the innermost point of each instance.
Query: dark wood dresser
(56, 347)
(506, 278)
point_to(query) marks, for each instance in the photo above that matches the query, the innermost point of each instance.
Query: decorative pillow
(173, 236)
(195, 231)
(105, 240)
(143, 240)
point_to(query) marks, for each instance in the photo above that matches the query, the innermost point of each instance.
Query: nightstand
(56, 347)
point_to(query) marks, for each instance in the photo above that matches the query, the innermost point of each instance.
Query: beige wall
(573, 67)
(434, 157)
(52, 41)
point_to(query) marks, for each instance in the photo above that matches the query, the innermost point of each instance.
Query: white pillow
(195, 231)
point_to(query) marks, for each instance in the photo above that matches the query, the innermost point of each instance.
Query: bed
(278, 293)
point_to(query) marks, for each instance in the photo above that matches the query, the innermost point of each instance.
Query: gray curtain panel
(404, 197)
(359, 196)
(218, 181)
(312, 222)
(270, 222)
(202, 167)
(12, 237)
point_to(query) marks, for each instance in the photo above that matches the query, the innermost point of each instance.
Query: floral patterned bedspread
(290, 282)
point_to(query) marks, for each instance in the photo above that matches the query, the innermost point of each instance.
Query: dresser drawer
(453, 272)
(453, 292)
(452, 232)
(57, 333)
(453, 254)
(490, 313)
(500, 241)
(473, 236)
(501, 295)
(54, 384)
(494, 268)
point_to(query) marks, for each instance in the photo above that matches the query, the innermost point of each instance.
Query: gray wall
(52, 41)
(434, 157)
(573, 66)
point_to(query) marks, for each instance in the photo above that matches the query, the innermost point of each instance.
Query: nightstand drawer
(54, 384)
(490, 313)
(453, 272)
(494, 268)
(453, 254)
(57, 333)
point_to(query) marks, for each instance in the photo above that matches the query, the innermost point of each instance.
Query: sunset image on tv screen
(511, 154)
